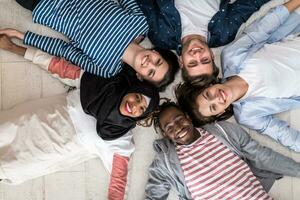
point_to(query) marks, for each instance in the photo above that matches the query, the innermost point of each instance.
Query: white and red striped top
(212, 171)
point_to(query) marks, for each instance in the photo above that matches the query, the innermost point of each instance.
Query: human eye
(151, 73)
(137, 97)
(205, 61)
(214, 107)
(192, 63)
(159, 62)
(169, 129)
(143, 110)
(205, 95)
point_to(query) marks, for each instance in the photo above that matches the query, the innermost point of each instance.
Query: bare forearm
(17, 50)
(7, 45)
(292, 5)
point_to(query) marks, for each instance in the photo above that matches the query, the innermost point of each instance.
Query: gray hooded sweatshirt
(267, 165)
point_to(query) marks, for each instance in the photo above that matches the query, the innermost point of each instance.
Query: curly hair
(187, 94)
(156, 117)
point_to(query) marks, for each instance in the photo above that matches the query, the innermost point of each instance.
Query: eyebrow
(151, 74)
(210, 108)
(170, 122)
(206, 62)
(192, 64)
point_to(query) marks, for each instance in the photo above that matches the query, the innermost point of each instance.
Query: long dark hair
(187, 94)
(173, 63)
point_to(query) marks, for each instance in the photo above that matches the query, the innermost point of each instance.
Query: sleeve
(60, 48)
(118, 178)
(265, 158)
(275, 128)
(59, 68)
(157, 187)
(131, 5)
(252, 39)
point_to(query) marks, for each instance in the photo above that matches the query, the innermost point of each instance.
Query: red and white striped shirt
(212, 171)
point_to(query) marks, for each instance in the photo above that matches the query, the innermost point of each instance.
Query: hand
(6, 43)
(292, 5)
(12, 33)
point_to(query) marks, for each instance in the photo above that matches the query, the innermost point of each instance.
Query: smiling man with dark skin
(217, 161)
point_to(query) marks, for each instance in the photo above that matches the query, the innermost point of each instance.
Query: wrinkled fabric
(38, 138)
(165, 24)
(258, 112)
(267, 165)
(225, 24)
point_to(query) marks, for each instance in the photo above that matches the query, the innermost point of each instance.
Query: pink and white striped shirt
(212, 171)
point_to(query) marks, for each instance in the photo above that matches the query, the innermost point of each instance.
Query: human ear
(180, 62)
(139, 76)
(212, 54)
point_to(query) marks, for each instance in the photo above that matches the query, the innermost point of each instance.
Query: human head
(175, 124)
(197, 60)
(139, 101)
(157, 66)
(188, 95)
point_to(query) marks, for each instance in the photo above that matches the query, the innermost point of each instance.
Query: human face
(196, 58)
(177, 126)
(214, 100)
(133, 105)
(150, 66)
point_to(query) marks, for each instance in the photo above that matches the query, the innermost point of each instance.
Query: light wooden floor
(21, 81)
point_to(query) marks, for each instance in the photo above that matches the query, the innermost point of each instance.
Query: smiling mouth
(127, 108)
(223, 95)
(144, 60)
(196, 50)
(182, 133)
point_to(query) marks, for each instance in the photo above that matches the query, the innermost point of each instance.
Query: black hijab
(101, 98)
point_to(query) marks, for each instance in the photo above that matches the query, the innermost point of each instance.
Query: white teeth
(128, 108)
(182, 134)
(144, 60)
(196, 49)
(223, 95)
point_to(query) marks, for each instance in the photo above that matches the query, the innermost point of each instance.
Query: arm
(60, 48)
(277, 129)
(59, 68)
(157, 187)
(118, 177)
(263, 157)
(8, 45)
(258, 114)
(252, 39)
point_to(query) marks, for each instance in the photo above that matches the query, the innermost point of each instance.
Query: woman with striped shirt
(103, 35)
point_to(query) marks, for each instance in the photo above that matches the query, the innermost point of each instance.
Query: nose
(135, 109)
(152, 63)
(216, 99)
(177, 127)
(213, 98)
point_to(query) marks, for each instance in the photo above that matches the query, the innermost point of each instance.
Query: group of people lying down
(115, 83)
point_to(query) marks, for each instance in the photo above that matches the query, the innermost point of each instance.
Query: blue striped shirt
(99, 31)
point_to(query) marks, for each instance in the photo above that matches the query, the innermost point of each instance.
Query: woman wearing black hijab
(57, 131)
(106, 98)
